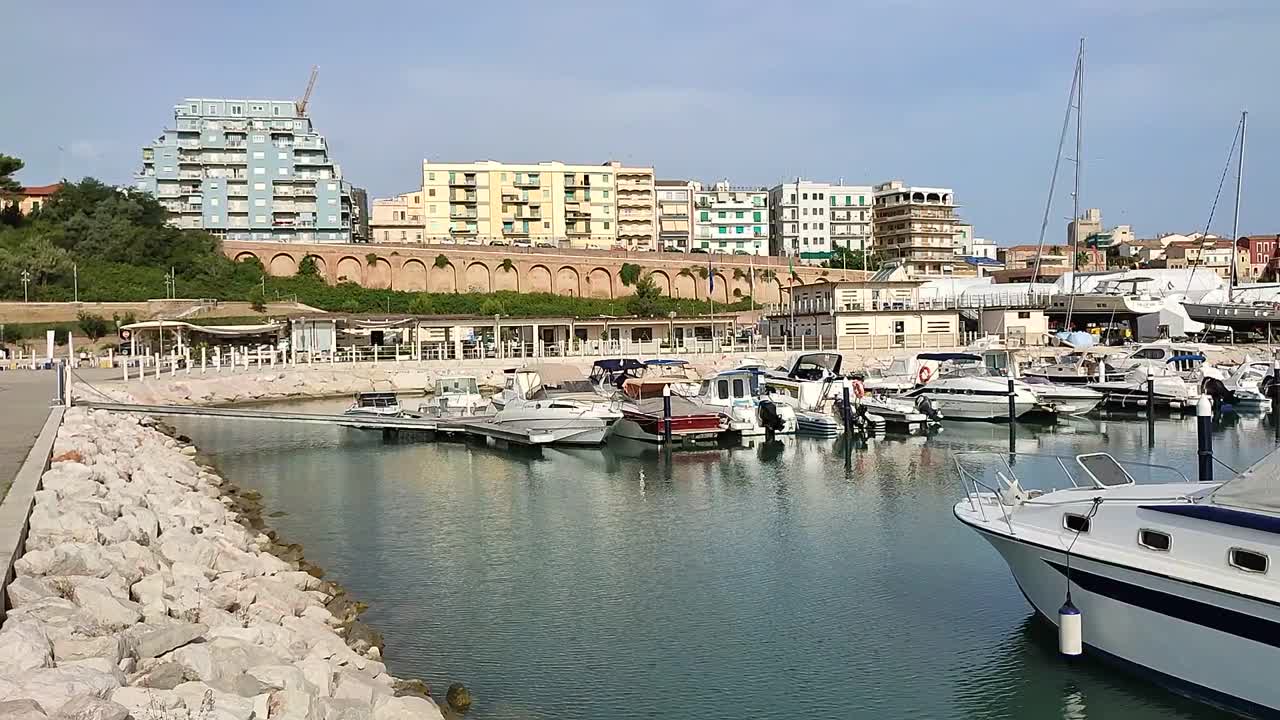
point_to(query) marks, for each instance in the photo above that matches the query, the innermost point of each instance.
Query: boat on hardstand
(1170, 578)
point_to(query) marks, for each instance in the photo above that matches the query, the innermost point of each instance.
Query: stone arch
(245, 255)
(378, 275)
(477, 278)
(568, 282)
(599, 283)
(442, 279)
(349, 269)
(282, 265)
(686, 287)
(539, 279)
(322, 268)
(769, 290)
(662, 280)
(720, 291)
(413, 276)
(504, 279)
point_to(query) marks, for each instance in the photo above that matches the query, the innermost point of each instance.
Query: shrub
(93, 326)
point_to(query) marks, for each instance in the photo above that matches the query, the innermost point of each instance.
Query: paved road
(24, 406)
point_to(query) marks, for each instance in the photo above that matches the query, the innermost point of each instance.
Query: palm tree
(738, 274)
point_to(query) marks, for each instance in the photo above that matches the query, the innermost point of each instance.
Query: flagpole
(711, 295)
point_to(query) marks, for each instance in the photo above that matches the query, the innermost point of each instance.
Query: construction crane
(301, 105)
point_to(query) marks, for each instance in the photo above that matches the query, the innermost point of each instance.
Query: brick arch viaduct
(581, 273)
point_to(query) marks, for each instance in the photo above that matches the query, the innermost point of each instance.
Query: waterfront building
(882, 312)
(1216, 255)
(1088, 225)
(675, 214)
(1257, 254)
(546, 204)
(729, 219)
(808, 219)
(967, 246)
(30, 199)
(248, 170)
(398, 219)
(915, 227)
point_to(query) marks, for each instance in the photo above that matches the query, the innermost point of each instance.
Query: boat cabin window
(1075, 523)
(1154, 540)
(739, 388)
(722, 389)
(1247, 560)
(456, 385)
(1103, 470)
(1148, 354)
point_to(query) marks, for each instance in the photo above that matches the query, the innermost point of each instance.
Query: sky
(966, 95)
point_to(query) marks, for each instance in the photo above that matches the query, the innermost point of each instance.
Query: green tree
(10, 213)
(9, 166)
(629, 273)
(11, 334)
(442, 261)
(845, 259)
(647, 298)
(371, 259)
(507, 265)
(257, 301)
(420, 304)
(1083, 259)
(492, 306)
(307, 267)
(93, 326)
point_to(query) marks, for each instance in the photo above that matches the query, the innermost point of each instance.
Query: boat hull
(1179, 633)
(684, 428)
(568, 429)
(977, 407)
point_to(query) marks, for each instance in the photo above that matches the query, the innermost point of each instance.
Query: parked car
(546, 245)
(700, 251)
(502, 243)
(671, 248)
(741, 252)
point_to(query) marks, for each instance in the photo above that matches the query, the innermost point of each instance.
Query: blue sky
(967, 95)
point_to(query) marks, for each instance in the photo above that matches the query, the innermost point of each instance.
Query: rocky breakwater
(149, 588)
(300, 381)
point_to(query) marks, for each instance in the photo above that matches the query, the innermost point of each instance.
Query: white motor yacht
(454, 396)
(963, 390)
(1063, 398)
(1246, 382)
(809, 383)
(375, 404)
(565, 406)
(1169, 578)
(899, 412)
(1129, 390)
(1073, 368)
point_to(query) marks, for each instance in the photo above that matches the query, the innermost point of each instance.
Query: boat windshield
(377, 400)
(460, 385)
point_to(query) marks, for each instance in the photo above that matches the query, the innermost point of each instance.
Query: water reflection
(782, 579)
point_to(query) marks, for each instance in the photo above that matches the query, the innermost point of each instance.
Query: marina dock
(479, 426)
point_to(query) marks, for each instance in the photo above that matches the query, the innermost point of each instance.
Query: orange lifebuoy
(925, 374)
(858, 390)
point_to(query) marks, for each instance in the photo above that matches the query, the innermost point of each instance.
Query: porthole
(1075, 523)
(1154, 540)
(1247, 560)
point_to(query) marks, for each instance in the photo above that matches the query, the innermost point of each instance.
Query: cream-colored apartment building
(398, 219)
(549, 204)
(916, 227)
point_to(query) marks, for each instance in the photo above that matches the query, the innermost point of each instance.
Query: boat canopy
(666, 361)
(616, 364)
(806, 364)
(1186, 358)
(1257, 488)
(944, 357)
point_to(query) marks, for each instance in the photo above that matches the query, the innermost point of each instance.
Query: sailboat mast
(1235, 223)
(1075, 195)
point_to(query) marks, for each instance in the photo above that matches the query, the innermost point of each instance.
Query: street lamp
(26, 278)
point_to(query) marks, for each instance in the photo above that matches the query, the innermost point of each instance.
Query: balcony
(462, 179)
(463, 230)
(189, 159)
(460, 197)
(574, 181)
(190, 174)
(529, 181)
(578, 230)
(528, 216)
(462, 214)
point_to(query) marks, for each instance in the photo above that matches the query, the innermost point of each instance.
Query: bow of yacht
(1170, 577)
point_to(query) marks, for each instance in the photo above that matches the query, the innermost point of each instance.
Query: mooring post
(1013, 410)
(848, 409)
(666, 414)
(1151, 411)
(1204, 436)
(1275, 394)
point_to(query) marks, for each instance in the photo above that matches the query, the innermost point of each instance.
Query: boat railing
(973, 474)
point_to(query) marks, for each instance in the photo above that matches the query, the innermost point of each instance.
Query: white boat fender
(1070, 631)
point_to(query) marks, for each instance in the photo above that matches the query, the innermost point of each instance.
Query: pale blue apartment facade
(248, 170)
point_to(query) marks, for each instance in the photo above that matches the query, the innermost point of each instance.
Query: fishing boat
(375, 404)
(963, 390)
(454, 396)
(1169, 578)
(740, 395)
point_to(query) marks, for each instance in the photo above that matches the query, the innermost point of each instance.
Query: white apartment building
(975, 247)
(730, 219)
(916, 228)
(808, 219)
(675, 213)
(398, 219)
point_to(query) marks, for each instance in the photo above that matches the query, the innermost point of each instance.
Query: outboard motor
(1269, 387)
(926, 408)
(1218, 392)
(770, 418)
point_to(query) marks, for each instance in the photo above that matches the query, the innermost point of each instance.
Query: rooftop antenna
(301, 105)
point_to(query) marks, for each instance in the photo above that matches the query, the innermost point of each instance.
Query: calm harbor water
(777, 581)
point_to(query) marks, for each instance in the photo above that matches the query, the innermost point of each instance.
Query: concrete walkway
(24, 406)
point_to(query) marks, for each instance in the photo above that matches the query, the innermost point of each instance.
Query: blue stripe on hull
(1225, 516)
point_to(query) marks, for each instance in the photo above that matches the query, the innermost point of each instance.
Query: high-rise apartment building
(728, 219)
(916, 227)
(550, 203)
(675, 212)
(1087, 225)
(809, 219)
(248, 170)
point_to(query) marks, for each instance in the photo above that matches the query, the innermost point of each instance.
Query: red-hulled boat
(690, 422)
